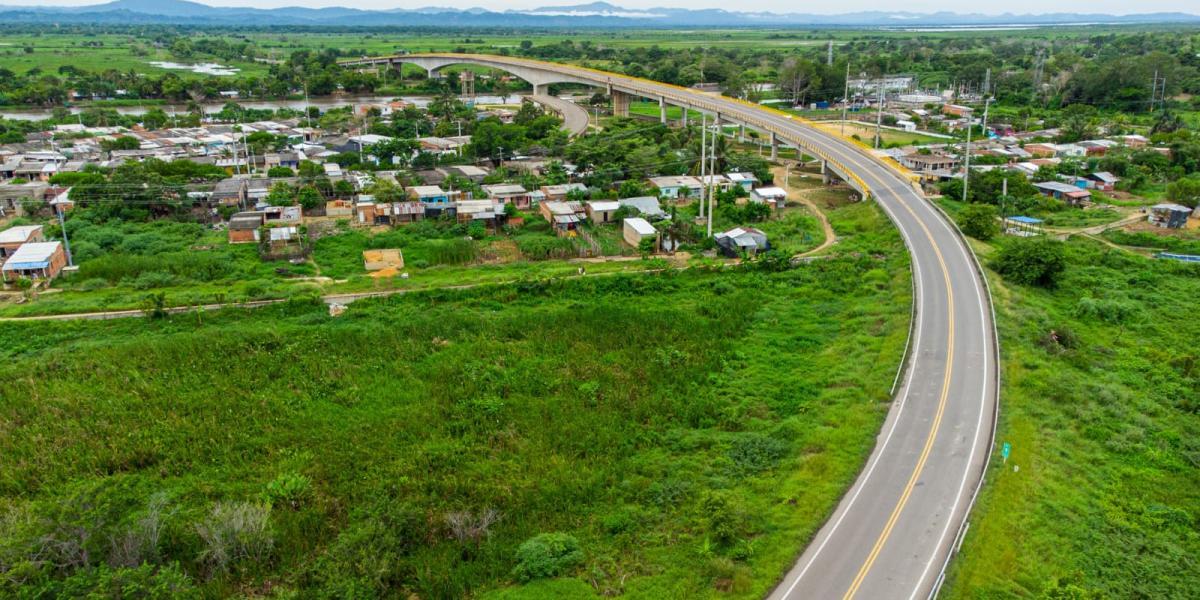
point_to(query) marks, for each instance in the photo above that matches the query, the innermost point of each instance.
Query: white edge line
(861, 482)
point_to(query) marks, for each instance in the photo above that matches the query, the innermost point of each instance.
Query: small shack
(741, 241)
(602, 211)
(1169, 215)
(776, 197)
(636, 229)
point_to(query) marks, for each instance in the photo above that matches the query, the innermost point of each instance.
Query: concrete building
(14, 237)
(602, 211)
(39, 261)
(676, 186)
(636, 229)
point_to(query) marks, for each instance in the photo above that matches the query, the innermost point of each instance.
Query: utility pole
(829, 58)
(987, 82)
(879, 116)
(62, 224)
(712, 157)
(703, 157)
(846, 98)
(967, 159)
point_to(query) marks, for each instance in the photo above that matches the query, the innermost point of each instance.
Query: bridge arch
(537, 77)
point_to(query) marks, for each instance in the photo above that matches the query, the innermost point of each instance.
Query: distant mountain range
(596, 14)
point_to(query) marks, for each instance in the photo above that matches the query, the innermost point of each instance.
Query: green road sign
(1005, 450)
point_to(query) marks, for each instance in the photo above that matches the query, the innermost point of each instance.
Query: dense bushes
(979, 221)
(547, 555)
(1031, 261)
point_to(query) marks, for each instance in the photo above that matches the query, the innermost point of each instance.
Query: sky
(1116, 7)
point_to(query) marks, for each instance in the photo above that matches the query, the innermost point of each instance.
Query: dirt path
(801, 194)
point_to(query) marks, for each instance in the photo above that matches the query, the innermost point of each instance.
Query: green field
(1100, 496)
(689, 431)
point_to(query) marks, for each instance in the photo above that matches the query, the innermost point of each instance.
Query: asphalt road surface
(891, 534)
(575, 117)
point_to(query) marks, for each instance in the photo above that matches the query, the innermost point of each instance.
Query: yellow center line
(929, 440)
(937, 420)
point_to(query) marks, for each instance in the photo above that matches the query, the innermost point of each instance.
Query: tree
(389, 151)
(979, 221)
(310, 170)
(280, 172)
(343, 188)
(796, 77)
(281, 194)
(1032, 261)
(124, 142)
(1185, 191)
(309, 197)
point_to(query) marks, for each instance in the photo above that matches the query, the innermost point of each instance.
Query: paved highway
(575, 117)
(893, 531)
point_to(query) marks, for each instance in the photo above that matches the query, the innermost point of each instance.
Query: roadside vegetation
(1101, 493)
(637, 434)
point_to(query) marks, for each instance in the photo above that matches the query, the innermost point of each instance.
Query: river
(324, 103)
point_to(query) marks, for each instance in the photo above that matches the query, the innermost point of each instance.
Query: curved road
(575, 117)
(893, 532)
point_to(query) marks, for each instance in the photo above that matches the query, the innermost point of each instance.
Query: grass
(1102, 491)
(890, 137)
(654, 418)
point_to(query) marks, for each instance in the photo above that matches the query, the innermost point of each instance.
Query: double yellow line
(937, 419)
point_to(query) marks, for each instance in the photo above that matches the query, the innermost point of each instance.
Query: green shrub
(1031, 261)
(291, 489)
(979, 221)
(547, 555)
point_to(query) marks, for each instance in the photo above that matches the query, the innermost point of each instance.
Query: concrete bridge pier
(662, 110)
(620, 102)
(774, 146)
(541, 89)
(742, 133)
(683, 121)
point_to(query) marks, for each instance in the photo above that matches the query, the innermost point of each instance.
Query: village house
(719, 181)
(647, 207)
(636, 229)
(927, 164)
(13, 195)
(746, 180)
(564, 217)
(742, 241)
(39, 261)
(509, 193)
(471, 173)
(13, 237)
(1041, 150)
(1103, 180)
(428, 194)
(439, 146)
(602, 211)
(676, 186)
(1068, 193)
(1169, 215)
(561, 191)
(488, 212)
(776, 197)
(957, 110)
